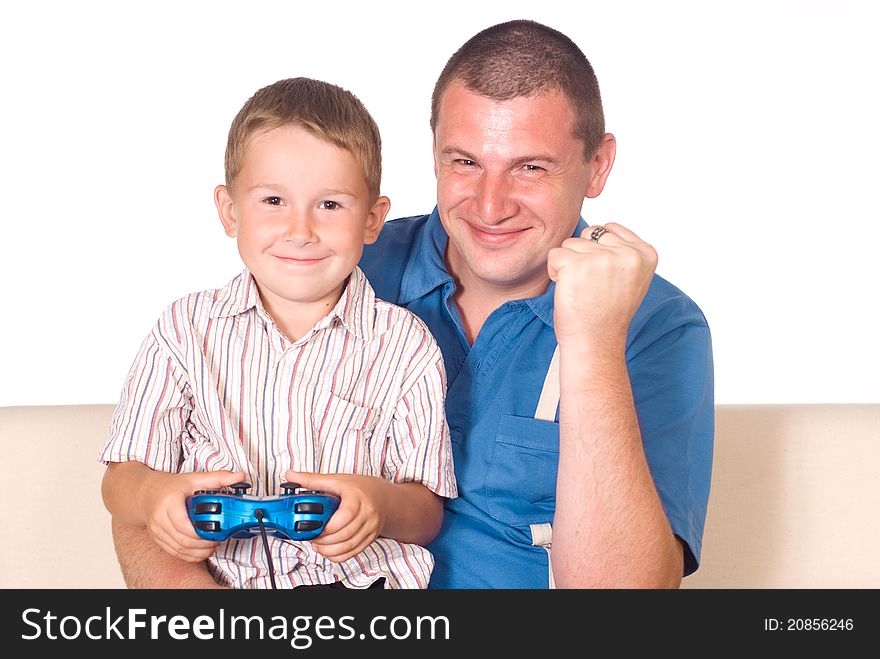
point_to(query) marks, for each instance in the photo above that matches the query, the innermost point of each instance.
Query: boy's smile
(301, 213)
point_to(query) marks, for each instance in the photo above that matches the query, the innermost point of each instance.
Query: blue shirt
(505, 460)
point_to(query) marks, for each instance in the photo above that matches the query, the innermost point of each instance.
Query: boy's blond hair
(329, 112)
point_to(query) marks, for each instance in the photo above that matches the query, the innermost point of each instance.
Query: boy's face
(301, 213)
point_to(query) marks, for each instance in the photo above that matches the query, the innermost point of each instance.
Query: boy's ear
(226, 210)
(375, 219)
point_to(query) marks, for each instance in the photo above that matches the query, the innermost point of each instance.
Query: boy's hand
(359, 518)
(165, 510)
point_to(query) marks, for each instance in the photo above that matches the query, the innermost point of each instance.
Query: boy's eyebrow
(265, 185)
(333, 191)
(325, 191)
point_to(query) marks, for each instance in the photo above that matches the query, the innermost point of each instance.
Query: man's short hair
(328, 111)
(525, 58)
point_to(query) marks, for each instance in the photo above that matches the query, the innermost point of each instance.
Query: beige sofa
(794, 501)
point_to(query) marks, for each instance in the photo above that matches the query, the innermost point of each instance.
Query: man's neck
(476, 299)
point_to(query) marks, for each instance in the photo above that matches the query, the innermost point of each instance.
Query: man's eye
(273, 201)
(465, 162)
(328, 205)
(533, 168)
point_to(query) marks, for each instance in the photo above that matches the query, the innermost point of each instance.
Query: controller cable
(258, 513)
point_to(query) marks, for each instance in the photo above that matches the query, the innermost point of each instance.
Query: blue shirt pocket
(521, 481)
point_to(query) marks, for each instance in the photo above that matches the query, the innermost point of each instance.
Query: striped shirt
(216, 385)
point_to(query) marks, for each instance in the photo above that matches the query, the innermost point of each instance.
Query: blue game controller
(231, 513)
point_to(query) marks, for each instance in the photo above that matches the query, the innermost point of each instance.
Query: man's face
(301, 214)
(511, 179)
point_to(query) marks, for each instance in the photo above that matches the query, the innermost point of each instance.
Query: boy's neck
(294, 319)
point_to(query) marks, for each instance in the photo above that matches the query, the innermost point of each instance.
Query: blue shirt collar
(426, 269)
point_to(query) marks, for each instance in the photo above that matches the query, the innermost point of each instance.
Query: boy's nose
(299, 229)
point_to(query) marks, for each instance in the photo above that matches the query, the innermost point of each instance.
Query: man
(580, 395)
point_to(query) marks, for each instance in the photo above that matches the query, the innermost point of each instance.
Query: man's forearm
(610, 529)
(145, 565)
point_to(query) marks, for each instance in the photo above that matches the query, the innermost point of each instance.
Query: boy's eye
(272, 201)
(328, 205)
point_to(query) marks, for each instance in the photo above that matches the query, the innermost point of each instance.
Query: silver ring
(597, 233)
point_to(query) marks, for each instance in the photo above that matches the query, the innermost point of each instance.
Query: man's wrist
(590, 353)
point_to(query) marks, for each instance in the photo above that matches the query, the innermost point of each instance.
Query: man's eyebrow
(455, 151)
(538, 157)
(522, 160)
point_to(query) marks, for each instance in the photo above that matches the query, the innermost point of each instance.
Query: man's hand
(599, 285)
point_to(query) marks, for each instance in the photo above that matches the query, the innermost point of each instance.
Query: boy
(292, 368)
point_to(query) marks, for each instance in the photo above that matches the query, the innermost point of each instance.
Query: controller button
(240, 488)
(208, 508)
(308, 525)
(290, 488)
(309, 507)
(208, 526)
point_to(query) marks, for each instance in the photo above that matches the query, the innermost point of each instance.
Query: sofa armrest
(794, 498)
(57, 532)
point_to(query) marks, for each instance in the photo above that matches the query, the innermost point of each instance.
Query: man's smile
(496, 236)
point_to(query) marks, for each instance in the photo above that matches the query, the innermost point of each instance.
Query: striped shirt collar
(355, 309)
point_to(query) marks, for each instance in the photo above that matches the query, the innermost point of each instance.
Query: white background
(748, 144)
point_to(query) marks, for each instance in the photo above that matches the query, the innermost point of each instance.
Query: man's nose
(494, 197)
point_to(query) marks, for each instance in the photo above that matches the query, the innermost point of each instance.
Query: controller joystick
(240, 488)
(231, 513)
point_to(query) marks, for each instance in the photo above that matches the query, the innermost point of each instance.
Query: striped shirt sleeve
(151, 416)
(419, 430)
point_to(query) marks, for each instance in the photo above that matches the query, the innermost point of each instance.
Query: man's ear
(226, 210)
(601, 165)
(375, 219)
